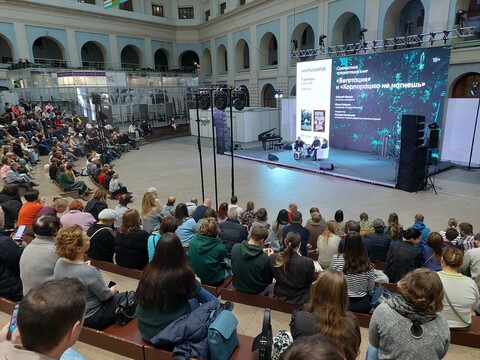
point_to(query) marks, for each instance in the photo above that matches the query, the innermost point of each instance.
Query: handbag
(263, 342)
(126, 306)
(222, 336)
(467, 325)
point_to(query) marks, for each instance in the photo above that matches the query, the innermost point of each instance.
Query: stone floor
(172, 166)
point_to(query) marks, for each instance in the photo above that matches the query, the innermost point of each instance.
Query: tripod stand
(428, 183)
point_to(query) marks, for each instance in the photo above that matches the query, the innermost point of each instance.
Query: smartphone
(13, 323)
(111, 283)
(19, 234)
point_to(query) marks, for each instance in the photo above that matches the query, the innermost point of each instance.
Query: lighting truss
(390, 43)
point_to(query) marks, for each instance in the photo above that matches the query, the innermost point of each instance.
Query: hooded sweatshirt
(251, 270)
(420, 226)
(205, 254)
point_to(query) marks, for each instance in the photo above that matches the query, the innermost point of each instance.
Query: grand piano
(270, 138)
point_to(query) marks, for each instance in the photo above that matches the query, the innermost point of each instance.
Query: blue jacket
(420, 226)
(189, 333)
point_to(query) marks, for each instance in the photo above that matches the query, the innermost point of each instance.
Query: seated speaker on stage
(323, 151)
(324, 144)
(315, 145)
(299, 144)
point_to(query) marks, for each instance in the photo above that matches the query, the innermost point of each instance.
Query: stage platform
(354, 165)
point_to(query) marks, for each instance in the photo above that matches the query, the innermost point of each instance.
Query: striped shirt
(358, 285)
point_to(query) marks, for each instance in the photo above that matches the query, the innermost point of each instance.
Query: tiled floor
(173, 168)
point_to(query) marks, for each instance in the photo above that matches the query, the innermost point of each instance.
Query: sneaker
(34, 184)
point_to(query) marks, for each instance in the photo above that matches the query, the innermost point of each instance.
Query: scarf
(398, 303)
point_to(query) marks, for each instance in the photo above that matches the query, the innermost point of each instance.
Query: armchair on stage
(317, 153)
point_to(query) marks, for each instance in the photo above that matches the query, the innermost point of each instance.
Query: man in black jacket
(297, 227)
(232, 232)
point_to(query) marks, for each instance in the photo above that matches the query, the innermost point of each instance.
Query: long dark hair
(355, 255)
(282, 218)
(181, 212)
(292, 241)
(168, 280)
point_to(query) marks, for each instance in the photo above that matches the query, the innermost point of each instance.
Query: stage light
(221, 100)
(239, 99)
(295, 45)
(474, 90)
(408, 27)
(321, 40)
(460, 18)
(361, 34)
(204, 100)
(445, 34)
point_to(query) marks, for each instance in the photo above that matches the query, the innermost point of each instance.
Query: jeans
(202, 297)
(372, 353)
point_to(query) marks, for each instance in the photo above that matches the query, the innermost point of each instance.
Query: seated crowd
(181, 245)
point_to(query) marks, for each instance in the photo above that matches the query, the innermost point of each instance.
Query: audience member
(152, 214)
(293, 273)
(131, 242)
(71, 245)
(394, 229)
(75, 215)
(366, 226)
(409, 325)
(452, 224)
(327, 313)
(432, 251)
(296, 227)
(327, 244)
(404, 256)
(231, 231)
(461, 294)
(10, 253)
(467, 239)
(167, 288)
(451, 235)
(39, 258)
(420, 226)
(338, 217)
(11, 204)
(102, 237)
(471, 263)
(207, 253)
(200, 210)
(191, 206)
(251, 270)
(279, 224)
(314, 347)
(116, 187)
(357, 268)
(59, 205)
(378, 242)
(261, 220)
(234, 204)
(291, 208)
(316, 228)
(12, 176)
(67, 183)
(186, 225)
(49, 321)
(222, 212)
(169, 224)
(153, 191)
(97, 204)
(120, 209)
(29, 211)
(169, 207)
(248, 215)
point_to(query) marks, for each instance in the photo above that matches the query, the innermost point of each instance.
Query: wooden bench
(98, 185)
(137, 274)
(74, 194)
(230, 294)
(127, 340)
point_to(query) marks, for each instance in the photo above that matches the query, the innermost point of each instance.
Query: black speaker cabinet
(272, 157)
(412, 168)
(433, 138)
(413, 130)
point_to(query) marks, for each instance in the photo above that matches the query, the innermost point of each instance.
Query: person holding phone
(71, 245)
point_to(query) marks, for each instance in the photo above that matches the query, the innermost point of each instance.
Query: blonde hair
(67, 241)
(130, 221)
(59, 201)
(149, 204)
(330, 230)
(209, 227)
